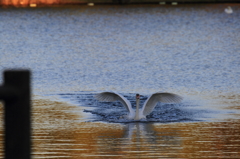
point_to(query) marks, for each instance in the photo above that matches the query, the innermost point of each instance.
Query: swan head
(137, 96)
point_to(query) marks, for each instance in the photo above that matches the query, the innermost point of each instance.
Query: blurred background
(34, 3)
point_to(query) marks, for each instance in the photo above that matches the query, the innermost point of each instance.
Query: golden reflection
(33, 5)
(58, 132)
(231, 101)
(25, 3)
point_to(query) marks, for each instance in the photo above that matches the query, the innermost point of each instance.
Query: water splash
(114, 112)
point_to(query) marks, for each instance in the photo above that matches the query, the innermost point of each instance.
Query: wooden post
(17, 114)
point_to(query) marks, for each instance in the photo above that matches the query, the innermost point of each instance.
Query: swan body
(228, 10)
(148, 106)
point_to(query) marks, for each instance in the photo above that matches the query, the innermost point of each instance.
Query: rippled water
(76, 52)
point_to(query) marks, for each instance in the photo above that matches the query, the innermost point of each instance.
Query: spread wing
(113, 96)
(152, 101)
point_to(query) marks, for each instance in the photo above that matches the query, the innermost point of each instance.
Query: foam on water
(188, 111)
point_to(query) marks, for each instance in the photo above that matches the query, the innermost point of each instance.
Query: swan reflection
(147, 133)
(143, 139)
(140, 130)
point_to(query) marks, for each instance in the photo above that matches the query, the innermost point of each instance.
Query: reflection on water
(147, 142)
(59, 132)
(188, 50)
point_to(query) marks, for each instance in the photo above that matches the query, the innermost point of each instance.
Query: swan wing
(113, 96)
(152, 101)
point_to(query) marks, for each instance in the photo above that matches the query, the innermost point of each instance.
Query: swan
(148, 106)
(228, 10)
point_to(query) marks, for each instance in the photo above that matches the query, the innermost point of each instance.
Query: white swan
(148, 106)
(228, 10)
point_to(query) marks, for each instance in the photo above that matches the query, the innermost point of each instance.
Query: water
(76, 52)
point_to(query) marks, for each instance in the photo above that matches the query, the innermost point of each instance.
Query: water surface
(76, 52)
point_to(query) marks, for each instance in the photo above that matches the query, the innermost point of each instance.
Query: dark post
(17, 127)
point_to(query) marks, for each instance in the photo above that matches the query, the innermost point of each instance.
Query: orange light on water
(33, 5)
(30, 3)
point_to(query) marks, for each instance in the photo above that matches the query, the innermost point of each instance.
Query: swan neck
(137, 110)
